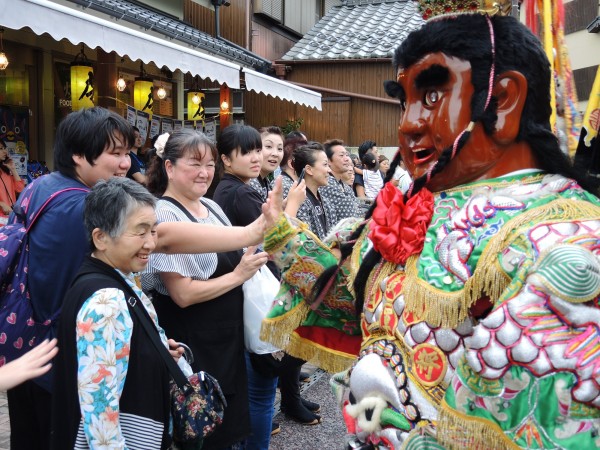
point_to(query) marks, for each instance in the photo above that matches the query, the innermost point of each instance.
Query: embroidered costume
(487, 337)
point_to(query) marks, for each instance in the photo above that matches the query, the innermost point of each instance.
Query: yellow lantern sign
(143, 94)
(195, 107)
(82, 85)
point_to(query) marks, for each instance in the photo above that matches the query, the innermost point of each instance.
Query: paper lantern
(82, 85)
(195, 109)
(143, 94)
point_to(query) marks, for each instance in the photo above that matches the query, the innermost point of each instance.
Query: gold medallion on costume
(430, 364)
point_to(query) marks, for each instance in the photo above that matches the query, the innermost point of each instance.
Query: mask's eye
(431, 97)
(403, 104)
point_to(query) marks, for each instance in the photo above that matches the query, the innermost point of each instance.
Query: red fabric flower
(398, 229)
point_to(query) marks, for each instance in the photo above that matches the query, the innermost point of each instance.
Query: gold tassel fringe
(278, 330)
(458, 431)
(440, 308)
(322, 357)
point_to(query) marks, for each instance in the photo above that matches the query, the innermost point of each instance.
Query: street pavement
(4, 423)
(329, 434)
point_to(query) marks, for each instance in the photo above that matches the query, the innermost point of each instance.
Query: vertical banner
(154, 126)
(166, 126)
(177, 125)
(210, 129)
(131, 115)
(142, 122)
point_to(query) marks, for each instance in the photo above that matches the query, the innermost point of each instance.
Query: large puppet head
(495, 75)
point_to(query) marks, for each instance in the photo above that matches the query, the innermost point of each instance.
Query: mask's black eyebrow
(433, 76)
(393, 89)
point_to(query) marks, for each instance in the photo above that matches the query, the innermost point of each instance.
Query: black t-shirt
(241, 202)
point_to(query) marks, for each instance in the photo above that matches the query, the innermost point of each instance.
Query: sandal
(311, 406)
(302, 415)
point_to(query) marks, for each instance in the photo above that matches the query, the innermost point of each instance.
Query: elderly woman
(199, 298)
(110, 381)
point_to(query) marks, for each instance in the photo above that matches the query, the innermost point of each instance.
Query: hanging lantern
(195, 109)
(161, 93)
(121, 84)
(82, 82)
(3, 61)
(3, 57)
(143, 94)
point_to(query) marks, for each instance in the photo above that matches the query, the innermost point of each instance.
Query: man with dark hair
(359, 179)
(476, 293)
(337, 192)
(368, 147)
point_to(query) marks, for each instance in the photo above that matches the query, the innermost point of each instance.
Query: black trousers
(289, 385)
(29, 407)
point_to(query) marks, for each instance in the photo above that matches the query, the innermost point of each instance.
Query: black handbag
(197, 401)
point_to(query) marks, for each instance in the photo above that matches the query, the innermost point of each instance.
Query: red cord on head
(493, 68)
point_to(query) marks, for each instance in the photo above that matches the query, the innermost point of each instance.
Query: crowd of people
(192, 292)
(460, 312)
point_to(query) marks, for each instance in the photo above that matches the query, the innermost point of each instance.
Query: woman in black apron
(199, 298)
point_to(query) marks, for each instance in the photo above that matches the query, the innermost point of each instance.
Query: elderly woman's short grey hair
(109, 203)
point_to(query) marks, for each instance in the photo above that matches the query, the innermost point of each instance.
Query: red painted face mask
(435, 110)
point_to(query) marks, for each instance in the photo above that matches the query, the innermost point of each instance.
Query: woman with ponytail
(464, 313)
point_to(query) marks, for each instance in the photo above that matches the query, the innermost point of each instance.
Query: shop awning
(61, 22)
(77, 26)
(259, 82)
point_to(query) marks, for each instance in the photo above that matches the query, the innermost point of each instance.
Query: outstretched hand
(273, 207)
(31, 365)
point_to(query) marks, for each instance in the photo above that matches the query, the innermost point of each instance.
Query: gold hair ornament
(434, 8)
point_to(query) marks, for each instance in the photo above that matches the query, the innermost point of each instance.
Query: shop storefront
(63, 58)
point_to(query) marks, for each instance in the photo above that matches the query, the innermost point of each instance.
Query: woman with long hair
(12, 183)
(199, 298)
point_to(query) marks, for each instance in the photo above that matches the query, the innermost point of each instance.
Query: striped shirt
(198, 266)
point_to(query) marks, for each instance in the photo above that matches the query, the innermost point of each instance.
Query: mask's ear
(511, 91)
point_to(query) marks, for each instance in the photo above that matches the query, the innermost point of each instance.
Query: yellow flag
(591, 119)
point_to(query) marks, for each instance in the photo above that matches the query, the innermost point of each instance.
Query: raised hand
(274, 204)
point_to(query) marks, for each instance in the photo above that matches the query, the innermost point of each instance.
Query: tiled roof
(176, 29)
(358, 30)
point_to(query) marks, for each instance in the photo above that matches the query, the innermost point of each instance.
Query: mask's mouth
(423, 155)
